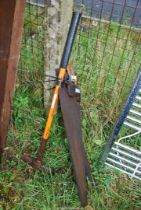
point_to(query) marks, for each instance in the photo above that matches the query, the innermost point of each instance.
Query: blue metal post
(122, 117)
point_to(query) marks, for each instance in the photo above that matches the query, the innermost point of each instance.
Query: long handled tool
(37, 162)
(69, 104)
(63, 67)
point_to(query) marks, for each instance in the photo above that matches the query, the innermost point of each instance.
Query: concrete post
(58, 15)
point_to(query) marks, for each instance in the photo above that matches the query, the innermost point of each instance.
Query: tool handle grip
(70, 39)
(53, 104)
(51, 114)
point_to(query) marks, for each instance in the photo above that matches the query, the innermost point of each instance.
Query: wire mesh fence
(31, 64)
(106, 56)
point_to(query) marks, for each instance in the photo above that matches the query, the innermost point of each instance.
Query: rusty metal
(11, 25)
(36, 162)
(70, 107)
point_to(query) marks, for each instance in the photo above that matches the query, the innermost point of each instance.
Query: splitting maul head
(36, 162)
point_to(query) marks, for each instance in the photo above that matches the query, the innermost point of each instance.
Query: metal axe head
(34, 162)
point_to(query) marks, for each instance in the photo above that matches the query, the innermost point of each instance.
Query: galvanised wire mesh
(31, 64)
(106, 56)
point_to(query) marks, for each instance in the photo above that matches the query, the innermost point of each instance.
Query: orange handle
(53, 105)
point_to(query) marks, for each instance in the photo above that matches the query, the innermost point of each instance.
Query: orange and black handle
(64, 62)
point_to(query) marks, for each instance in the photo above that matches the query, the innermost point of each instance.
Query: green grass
(23, 188)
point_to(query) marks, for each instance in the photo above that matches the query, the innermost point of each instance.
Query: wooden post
(11, 25)
(58, 15)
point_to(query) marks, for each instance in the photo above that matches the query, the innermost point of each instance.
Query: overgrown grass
(23, 188)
